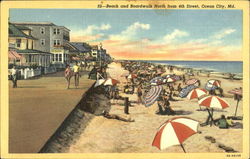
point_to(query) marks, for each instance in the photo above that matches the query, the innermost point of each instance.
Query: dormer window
(42, 30)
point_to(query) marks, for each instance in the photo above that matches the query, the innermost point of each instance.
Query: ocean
(217, 66)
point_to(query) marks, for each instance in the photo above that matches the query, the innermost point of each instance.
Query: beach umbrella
(177, 78)
(99, 82)
(156, 81)
(191, 81)
(152, 95)
(184, 92)
(166, 75)
(110, 81)
(196, 93)
(238, 96)
(174, 132)
(213, 102)
(169, 80)
(236, 91)
(132, 76)
(214, 82)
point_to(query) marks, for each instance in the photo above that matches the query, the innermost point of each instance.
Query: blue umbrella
(152, 95)
(156, 80)
(184, 92)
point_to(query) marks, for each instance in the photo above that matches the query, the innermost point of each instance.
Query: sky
(150, 34)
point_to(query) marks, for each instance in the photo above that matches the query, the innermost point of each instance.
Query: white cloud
(174, 35)
(223, 33)
(130, 32)
(91, 29)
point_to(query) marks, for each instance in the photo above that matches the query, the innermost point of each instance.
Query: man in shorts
(76, 70)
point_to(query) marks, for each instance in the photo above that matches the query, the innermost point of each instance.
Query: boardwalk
(38, 107)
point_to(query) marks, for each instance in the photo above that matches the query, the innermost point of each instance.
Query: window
(56, 31)
(56, 57)
(57, 42)
(60, 57)
(53, 59)
(42, 30)
(18, 42)
(42, 41)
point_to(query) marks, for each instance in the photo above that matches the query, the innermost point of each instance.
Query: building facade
(23, 42)
(50, 38)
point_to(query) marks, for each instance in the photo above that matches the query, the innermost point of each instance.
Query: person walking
(76, 70)
(68, 75)
(14, 76)
(139, 94)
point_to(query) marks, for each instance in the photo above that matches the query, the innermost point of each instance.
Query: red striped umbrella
(236, 91)
(191, 81)
(174, 132)
(132, 76)
(110, 81)
(196, 93)
(169, 80)
(214, 82)
(212, 102)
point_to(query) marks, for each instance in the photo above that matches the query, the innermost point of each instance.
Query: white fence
(27, 73)
(30, 72)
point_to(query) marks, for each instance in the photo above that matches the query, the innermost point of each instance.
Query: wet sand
(38, 107)
(108, 135)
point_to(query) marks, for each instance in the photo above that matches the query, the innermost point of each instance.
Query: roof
(79, 46)
(39, 24)
(31, 51)
(15, 32)
(21, 27)
(34, 23)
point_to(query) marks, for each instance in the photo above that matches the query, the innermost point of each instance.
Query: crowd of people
(75, 72)
(144, 72)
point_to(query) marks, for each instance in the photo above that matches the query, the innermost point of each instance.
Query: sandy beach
(104, 135)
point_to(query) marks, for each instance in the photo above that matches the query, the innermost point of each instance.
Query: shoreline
(195, 69)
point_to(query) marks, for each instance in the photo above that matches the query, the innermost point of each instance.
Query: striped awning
(14, 55)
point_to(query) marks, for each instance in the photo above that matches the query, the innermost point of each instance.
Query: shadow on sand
(31, 87)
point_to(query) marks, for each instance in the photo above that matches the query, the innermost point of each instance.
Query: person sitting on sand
(164, 106)
(113, 116)
(160, 104)
(222, 122)
(168, 110)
